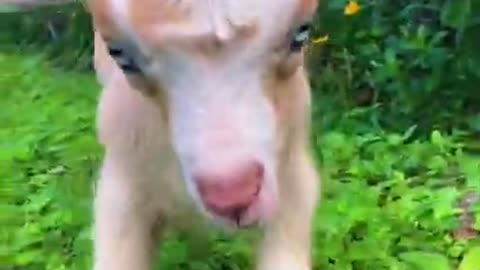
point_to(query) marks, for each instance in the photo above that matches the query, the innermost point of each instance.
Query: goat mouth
(242, 219)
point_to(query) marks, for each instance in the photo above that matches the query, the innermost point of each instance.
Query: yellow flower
(319, 40)
(352, 8)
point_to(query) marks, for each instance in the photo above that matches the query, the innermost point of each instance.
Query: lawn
(389, 201)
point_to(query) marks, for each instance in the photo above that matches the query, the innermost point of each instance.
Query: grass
(389, 201)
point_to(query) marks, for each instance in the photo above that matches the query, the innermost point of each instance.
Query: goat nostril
(258, 170)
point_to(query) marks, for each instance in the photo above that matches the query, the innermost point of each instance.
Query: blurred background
(396, 133)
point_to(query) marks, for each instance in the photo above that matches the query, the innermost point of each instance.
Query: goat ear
(308, 7)
(101, 16)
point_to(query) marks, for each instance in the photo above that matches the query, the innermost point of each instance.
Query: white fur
(229, 90)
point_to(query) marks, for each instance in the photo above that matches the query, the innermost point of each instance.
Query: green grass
(388, 201)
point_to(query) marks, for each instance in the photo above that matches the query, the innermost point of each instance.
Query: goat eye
(123, 60)
(300, 37)
(115, 52)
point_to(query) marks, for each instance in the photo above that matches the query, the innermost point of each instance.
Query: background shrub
(404, 62)
(62, 33)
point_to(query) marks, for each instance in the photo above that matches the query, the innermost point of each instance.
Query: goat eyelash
(125, 62)
(300, 37)
(115, 52)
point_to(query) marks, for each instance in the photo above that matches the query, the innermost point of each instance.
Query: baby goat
(204, 116)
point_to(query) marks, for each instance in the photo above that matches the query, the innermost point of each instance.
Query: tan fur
(141, 188)
(102, 62)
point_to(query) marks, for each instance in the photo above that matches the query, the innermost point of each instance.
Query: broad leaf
(425, 260)
(456, 13)
(471, 260)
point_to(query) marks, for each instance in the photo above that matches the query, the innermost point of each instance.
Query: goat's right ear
(308, 7)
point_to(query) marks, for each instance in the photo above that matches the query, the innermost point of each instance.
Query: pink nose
(230, 193)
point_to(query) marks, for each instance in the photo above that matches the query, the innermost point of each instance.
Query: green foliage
(63, 34)
(410, 62)
(391, 204)
(49, 157)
